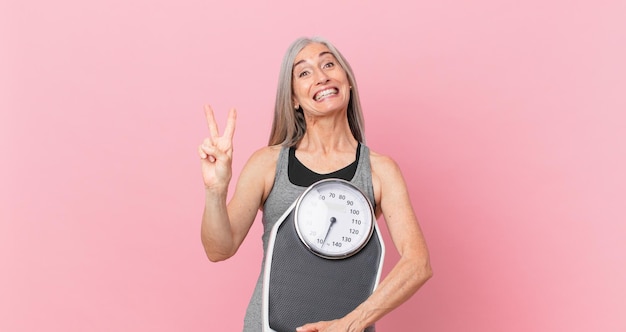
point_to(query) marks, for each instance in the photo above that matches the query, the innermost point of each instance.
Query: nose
(322, 78)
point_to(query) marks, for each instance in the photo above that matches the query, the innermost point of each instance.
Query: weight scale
(324, 258)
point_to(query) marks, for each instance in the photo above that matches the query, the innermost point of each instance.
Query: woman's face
(320, 84)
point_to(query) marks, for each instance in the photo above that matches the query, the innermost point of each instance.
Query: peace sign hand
(216, 152)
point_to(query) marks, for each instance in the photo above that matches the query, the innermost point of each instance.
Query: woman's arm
(224, 226)
(412, 270)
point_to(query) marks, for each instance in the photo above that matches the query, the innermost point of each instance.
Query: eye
(328, 65)
(303, 73)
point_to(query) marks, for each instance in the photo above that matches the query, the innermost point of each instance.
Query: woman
(317, 133)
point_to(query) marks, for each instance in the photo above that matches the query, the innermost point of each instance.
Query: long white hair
(289, 125)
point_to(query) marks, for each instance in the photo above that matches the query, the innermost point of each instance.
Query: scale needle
(332, 222)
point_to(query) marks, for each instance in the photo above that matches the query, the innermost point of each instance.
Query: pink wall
(507, 117)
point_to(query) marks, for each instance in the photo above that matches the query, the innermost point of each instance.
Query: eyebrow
(320, 55)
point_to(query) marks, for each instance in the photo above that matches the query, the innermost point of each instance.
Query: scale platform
(301, 287)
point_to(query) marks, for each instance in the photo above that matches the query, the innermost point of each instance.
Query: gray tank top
(282, 195)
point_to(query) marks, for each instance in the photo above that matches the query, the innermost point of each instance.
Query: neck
(326, 135)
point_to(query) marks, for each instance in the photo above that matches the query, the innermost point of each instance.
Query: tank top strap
(363, 176)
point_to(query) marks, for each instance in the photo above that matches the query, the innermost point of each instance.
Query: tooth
(324, 93)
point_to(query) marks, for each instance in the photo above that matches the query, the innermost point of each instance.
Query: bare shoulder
(261, 169)
(383, 166)
(265, 157)
(382, 162)
(385, 175)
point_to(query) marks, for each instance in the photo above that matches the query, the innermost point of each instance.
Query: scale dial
(334, 219)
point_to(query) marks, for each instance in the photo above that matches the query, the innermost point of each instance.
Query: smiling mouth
(325, 93)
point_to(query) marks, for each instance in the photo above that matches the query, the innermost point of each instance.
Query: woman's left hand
(337, 325)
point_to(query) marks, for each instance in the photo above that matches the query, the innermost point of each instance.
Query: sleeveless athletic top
(282, 195)
(302, 176)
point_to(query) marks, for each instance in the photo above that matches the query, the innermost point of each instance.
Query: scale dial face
(334, 219)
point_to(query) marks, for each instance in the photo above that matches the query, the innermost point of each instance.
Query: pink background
(507, 117)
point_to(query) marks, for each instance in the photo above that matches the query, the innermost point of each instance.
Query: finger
(307, 328)
(229, 131)
(214, 153)
(207, 142)
(210, 119)
(202, 154)
(207, 150)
